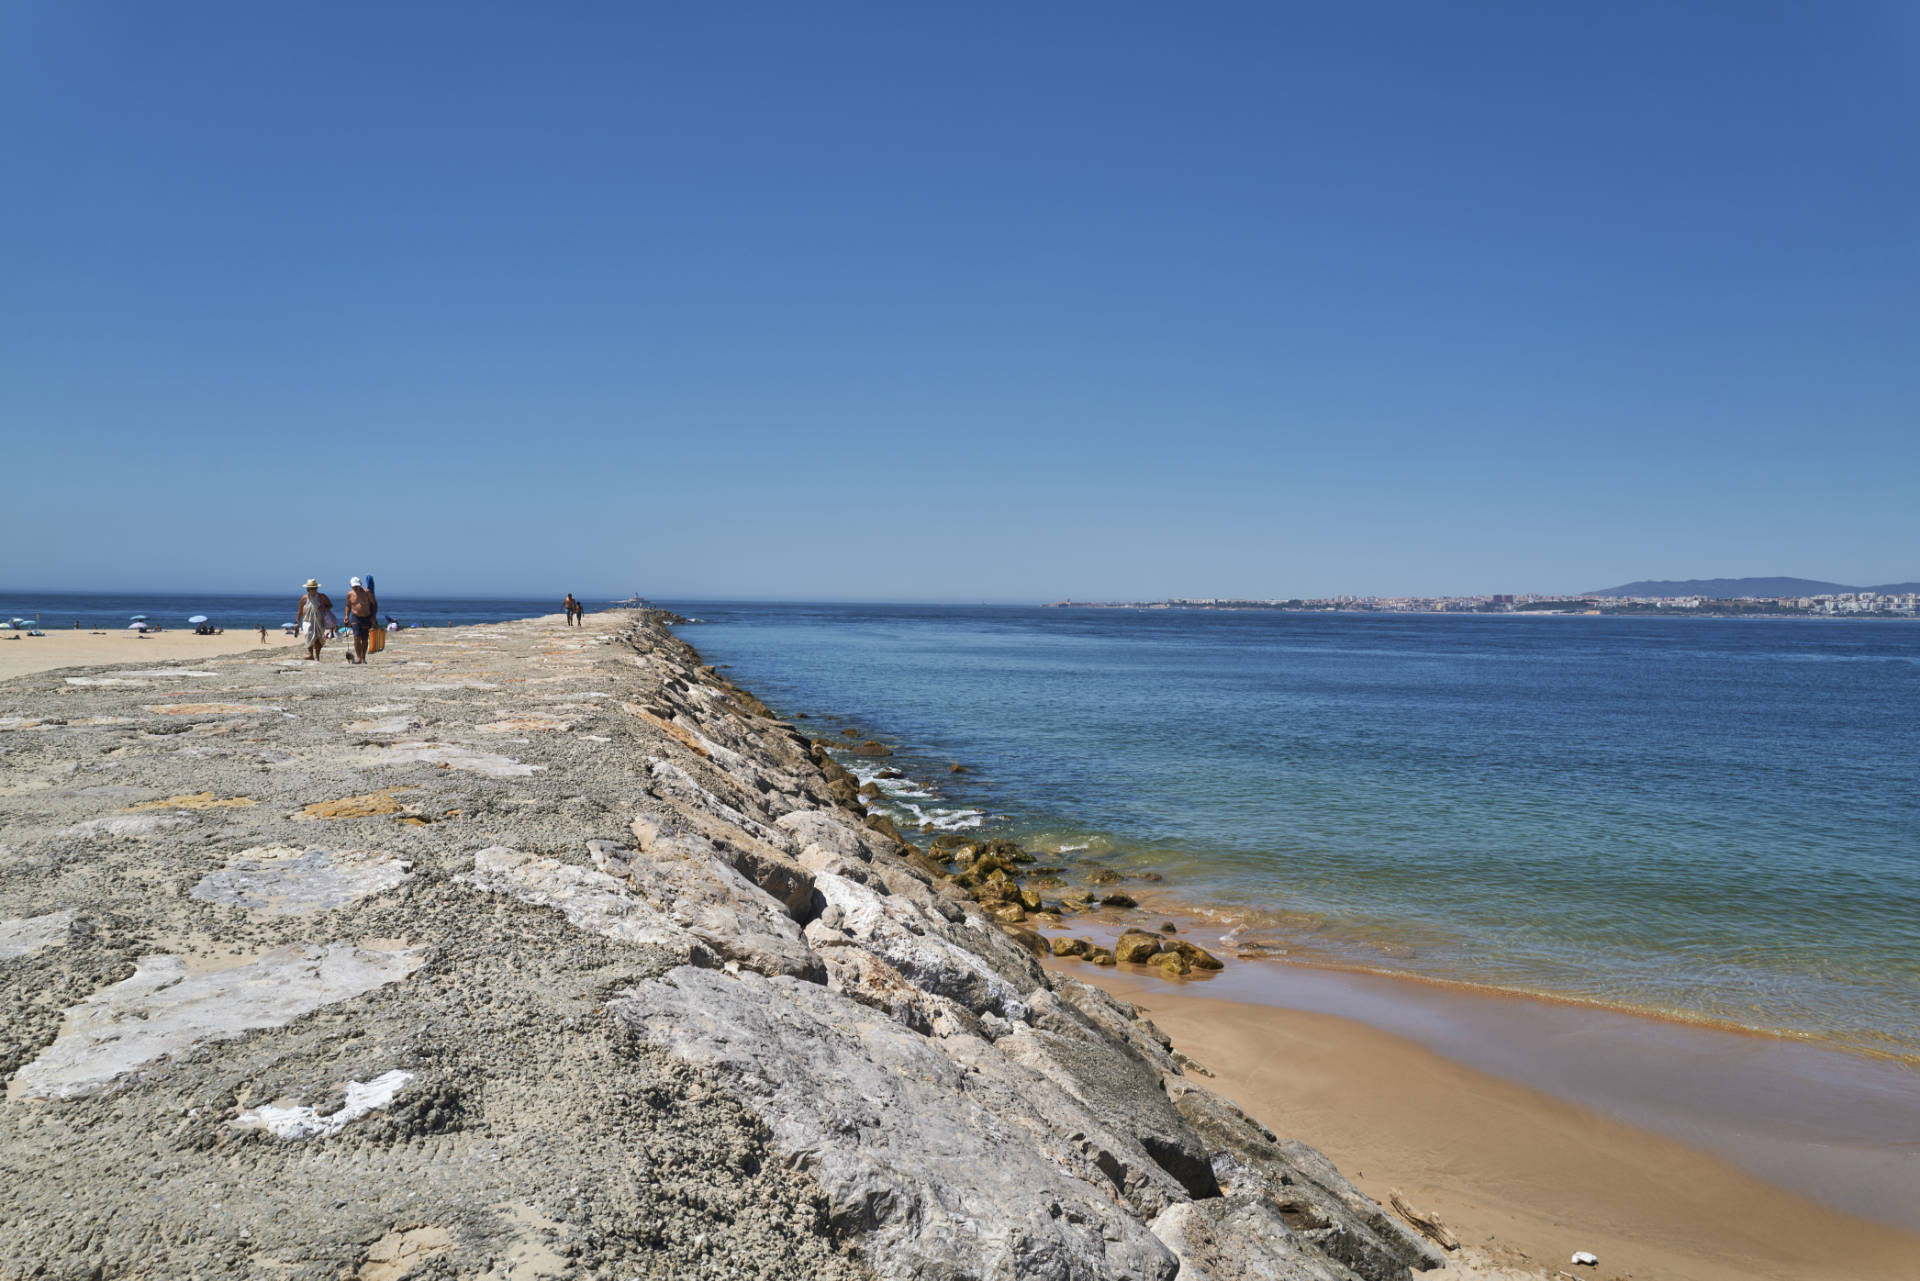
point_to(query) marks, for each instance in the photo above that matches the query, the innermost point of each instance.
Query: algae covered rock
(1198, 957)
(1135, 947)
(1171, 963)
(1069, 947)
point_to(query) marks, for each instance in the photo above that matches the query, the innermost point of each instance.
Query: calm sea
(1712, 819)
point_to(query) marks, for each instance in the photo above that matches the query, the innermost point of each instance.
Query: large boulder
(943, 1158)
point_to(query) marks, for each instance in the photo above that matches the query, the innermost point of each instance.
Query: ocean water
(1711, 819)
(114, 610)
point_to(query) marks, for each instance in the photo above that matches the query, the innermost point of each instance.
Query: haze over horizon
(850, 303)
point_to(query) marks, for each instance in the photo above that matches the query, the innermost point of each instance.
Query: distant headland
(1694, 597)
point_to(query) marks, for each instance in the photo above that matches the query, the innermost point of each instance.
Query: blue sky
(963, 302)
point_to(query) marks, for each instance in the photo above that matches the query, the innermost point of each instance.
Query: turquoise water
(1717, 819)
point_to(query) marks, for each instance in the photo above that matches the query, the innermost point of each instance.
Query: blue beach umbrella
(139, 618)
(198, 618)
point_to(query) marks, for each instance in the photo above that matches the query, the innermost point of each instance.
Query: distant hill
(1725, 588)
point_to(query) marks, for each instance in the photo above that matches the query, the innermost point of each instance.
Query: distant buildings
(1844, 604)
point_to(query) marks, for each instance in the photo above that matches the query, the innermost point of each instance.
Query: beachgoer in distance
(311, 614)
(572, 607)
(263, 633)
(362, 610)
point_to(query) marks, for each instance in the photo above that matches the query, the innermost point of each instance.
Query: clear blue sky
(984, 301)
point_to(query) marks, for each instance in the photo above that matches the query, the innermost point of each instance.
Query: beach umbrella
(198, 618)
(139, 618)
(137, 627)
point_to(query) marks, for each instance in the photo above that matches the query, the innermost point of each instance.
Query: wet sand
(88, 649)
(1509, 1167)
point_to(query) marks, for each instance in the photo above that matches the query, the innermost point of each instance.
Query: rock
(136, 827)
(870, 791)
(925, 947)
(1030, 899)
(1198, 957)
(451, 755)
(281, 878)
(1100, 956)
(1069, 947)
(956, 769)
(1134, 947)
(1106, 876)
(885, 826)
(1008, 913)
(596, 901)
(34, 934)
(163, 1011)
(1240, 1238)
(1249, 1159)
(1172, 963)
(872, 747)
(1118, 900)
(1120, 1087)
(1029, 939)
(940, 1167)
(1167, 927)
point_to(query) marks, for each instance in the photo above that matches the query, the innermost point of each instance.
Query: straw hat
(312, 584)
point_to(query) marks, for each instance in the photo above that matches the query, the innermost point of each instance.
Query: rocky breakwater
(529, 952)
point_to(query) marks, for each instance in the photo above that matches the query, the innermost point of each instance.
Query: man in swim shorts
(362, 611)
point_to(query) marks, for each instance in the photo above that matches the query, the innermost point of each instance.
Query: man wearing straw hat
(312, 614)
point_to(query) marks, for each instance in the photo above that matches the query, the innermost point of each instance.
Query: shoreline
(63, 647)
(1523, 1174)
(1825, 1122)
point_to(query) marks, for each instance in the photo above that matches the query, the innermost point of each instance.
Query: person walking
(311, 614)
(362, 612)
(573, 609)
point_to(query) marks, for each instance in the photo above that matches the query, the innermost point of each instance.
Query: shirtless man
(573, 609)
(362, 610)
(311, 615)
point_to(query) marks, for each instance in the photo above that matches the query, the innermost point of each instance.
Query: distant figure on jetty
(576, 612)
(263, 632)
(311, 614)
(362, 611)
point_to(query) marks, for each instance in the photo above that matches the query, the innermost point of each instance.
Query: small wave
(948, 820)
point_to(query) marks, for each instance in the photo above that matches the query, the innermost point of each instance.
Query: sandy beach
(21, 654)
(1528, 1177)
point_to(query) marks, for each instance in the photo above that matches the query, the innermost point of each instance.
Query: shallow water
(1715, 819)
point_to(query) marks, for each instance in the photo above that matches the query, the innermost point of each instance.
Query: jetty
(532, 952)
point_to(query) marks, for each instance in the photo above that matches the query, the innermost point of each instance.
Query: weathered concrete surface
(164, 1010)
(527, 951)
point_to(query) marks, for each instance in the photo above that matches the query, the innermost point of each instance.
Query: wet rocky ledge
(531, 952)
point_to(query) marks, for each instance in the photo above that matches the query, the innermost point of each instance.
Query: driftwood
(1429, 1225)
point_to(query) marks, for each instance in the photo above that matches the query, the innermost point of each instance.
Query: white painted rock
(1586, 1259)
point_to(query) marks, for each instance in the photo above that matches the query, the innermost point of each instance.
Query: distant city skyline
(860, 302)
